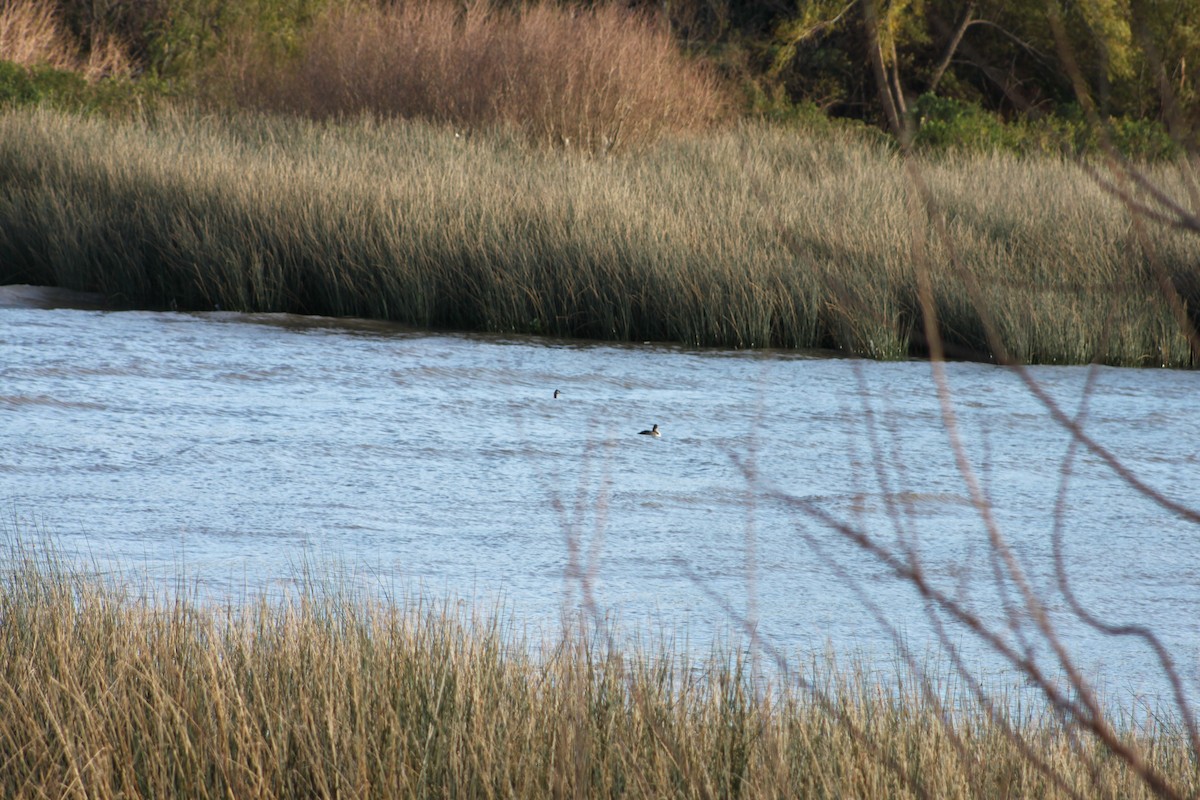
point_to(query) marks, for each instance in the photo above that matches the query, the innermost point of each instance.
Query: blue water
(237, 450)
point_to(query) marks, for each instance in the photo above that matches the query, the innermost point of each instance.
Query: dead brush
(32, 34)
(599, 79)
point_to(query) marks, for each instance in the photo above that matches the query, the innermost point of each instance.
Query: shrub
(947, 124)
(944, 123)
(69, 91)
(1145, 139)
(600, 79)
(19, 85)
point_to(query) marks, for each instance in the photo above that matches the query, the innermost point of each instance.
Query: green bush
(22, 86)
(1144, 139)
(947, 124)
(943, 123)
(67, 90)
(16, 85)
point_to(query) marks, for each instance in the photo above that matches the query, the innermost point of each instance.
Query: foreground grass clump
(756, 237)
(108, 695)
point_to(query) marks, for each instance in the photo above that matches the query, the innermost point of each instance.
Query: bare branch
(952, 46)
(1166, 662)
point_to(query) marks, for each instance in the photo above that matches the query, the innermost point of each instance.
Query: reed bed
(107, 692)
(746, 238)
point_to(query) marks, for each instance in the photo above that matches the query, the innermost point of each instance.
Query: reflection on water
(233, 448)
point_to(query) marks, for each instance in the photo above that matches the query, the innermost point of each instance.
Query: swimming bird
(652, 432)
(556, 394)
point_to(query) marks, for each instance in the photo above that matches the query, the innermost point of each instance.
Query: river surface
(236, 450)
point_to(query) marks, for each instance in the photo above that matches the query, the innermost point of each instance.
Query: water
(234, 449)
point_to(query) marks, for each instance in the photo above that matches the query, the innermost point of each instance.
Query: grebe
(652, 432)
(556, 394)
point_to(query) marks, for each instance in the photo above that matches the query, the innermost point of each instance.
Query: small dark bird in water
(556, 394)
(652, 432)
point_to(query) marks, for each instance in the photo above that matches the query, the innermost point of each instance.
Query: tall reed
(108, 692)
(754, 237)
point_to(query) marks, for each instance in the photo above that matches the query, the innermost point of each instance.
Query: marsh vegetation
(112, 693)
(752, 237)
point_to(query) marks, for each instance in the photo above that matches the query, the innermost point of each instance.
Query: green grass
(334, 694)
(752, 237)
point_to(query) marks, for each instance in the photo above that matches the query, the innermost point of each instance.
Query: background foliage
(1021, 75)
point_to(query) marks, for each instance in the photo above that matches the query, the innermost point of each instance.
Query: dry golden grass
(106, 694)
(31, 34)
(600, 78)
